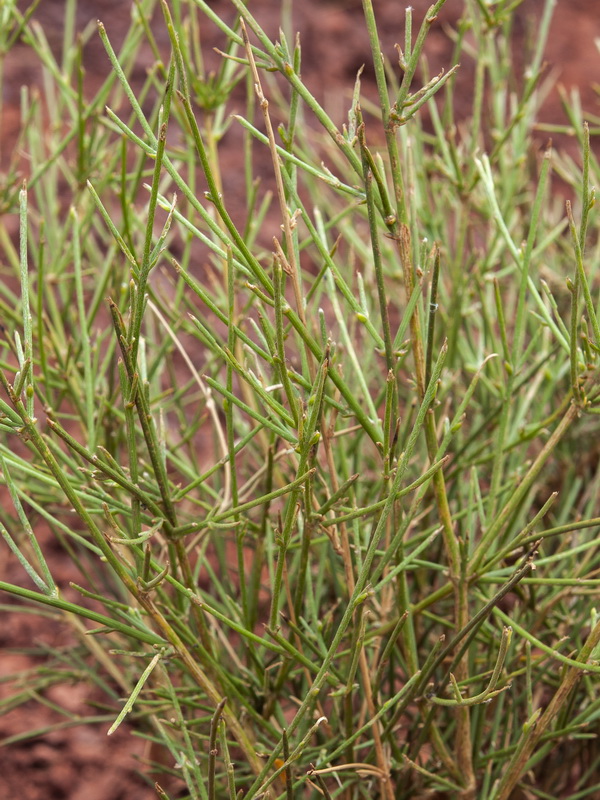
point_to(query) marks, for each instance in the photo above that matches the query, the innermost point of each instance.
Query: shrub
(324, 463)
